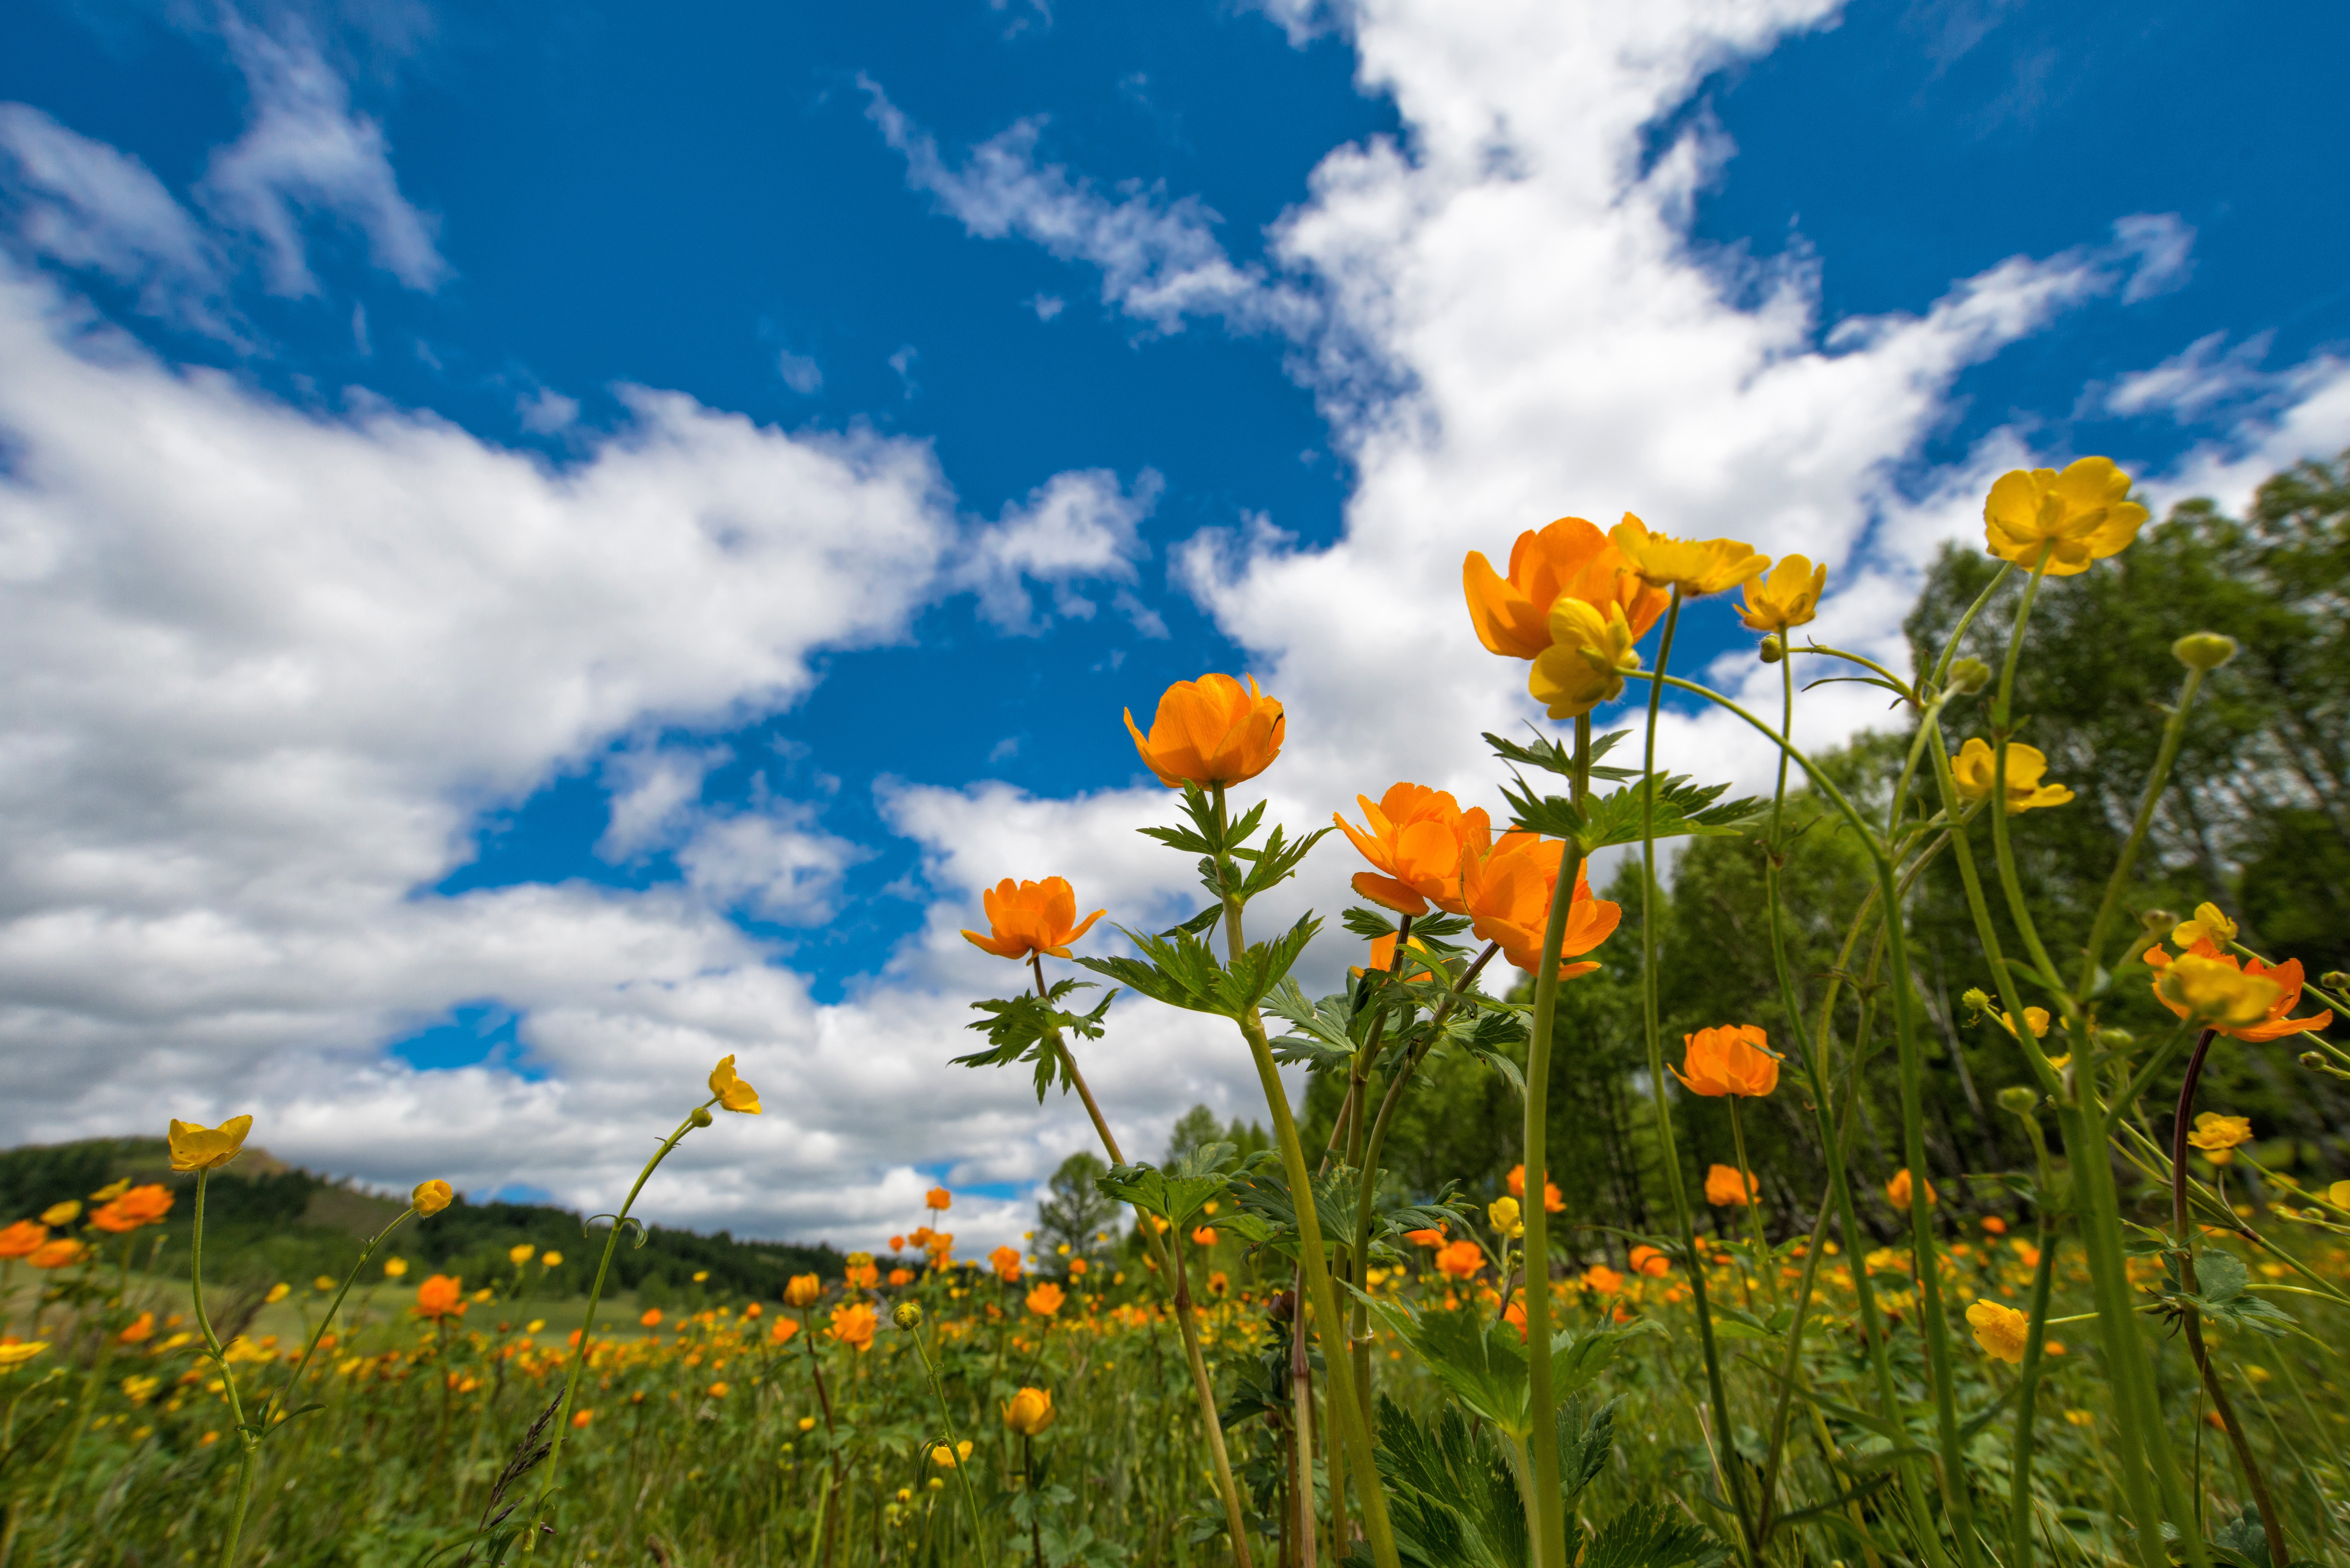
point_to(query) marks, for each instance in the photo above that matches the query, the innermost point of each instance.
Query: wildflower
(2073, 518)
(1461, 1260)
(898, 1278)
(1897, 1190)
(1999, 1330)
(784, 1328)
(138, 1331)
(2339, 1195)
(938, 1197)
(852, 1323)
(1027, 917)
(441, 1296)
(733, 1093)
(1029, 1412)
(2218, 1136)
(802, 1289)
(862, 1274)
(429, 1198)
(550, 1260)
(1993, 1225)
(947, 1457)
(1046, 1299)
(579, 1419)
(2245, 1000)
(897, 1243)
(138, 1390)
(1732, 1059)
(1695, 566)
(22, 1239)
(323, 1283)
(1976, 762)
(394, 1268)
(133, 1207)
(1414, 836)
(1213, 730)
(1601, 1279)
(1503, 1213)
(18, 1352)
(195, 1147)
(1583, 665)
(2209, 924)
(1005, 1261)
(719, 1391)
(2034, 1019)
(521, 1253)
(277, 1293)
(1202, 1236)
(651, 1318)
(1382, 958)
(63, 1213)
(1648, 1260)
(1552, 1202)
(1425, 1238)
(1507, 890)
(1725, 1189)
(1788, 597)
(62, 1252)
(1571, 558)
(1218, 1282)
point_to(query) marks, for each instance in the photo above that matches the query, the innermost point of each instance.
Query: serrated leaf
(1681, 810)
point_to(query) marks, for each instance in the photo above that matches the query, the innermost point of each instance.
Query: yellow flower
(802, 1290)
(428, 1199)
(1571, 558)
(278, 1293)
(1725, 1189)
(733, 1093)
(520, 1253)
(1579, 670)
(1029, 1412)
(63, 1213)
(1788, 597)
(1694, 565)
(18, 1353)
(2214, 1132)
(550, 1260)
(110, 1191)
(2208, 922)
(2034, 1019)
(393, 1268)
(197, 1148)
(1999, 1330)
(946, 1457)
(1976, 763)
(2339, 1195)
(1211, 731)
(1024, 917)
(2215, 992)
(1898, 1192)
(1504, 1213)
(2076, 517)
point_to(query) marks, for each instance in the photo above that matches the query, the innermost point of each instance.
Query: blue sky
(552, 544)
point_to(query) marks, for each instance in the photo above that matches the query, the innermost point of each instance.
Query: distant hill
(268, 1220)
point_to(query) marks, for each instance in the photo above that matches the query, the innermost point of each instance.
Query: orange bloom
(1461, 1260)
(1203, 1235)
(897, 1243)
(784, 1328)
(1077, 1266)
(579, 1419)
(1552, 1202)
(140, 1206)
(1211, 731)
(1414, 836)
(1649, 1262)
(1723, 1189)
(1993, 1225)
(2286, 977)
(139, 1331)
(852, 1323)
(63, 1253)
(1029, 917)
(1218, 1282)
(23, 1238)
(1425, 1238)
(863, 1276)
(1005, 1261)
(802, 1290)
(1507, 890)
(1734, 1059)
(1897, 1190)
(441, 1296)
(900, 1277)
(1029, 1412)
(1046, 1299)
(1603, 1279)
(1569, 559)
(1382, 957)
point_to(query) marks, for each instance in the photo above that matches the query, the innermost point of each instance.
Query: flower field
(2125, 1345)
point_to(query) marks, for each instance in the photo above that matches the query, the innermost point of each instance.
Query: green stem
(2043, 1275)
(1545, 1510)
(246, 1441)
(962, 1469)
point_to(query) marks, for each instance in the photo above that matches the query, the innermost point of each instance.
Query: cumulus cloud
(1078, 526)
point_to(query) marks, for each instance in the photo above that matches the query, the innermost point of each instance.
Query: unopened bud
(2018, 1100)
(2157, 920)
(2116, 1039)
(700, 1117)
(2204, 649)
(2334, 980)
(907, 1316)
(1773, 649)
(1966, 677)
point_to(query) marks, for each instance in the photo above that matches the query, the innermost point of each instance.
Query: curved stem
(2044, 1274)
(961, 1470)
(1545, 1510)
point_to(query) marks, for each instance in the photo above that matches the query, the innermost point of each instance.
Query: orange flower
(1552, 1202)
(863, 1276)
(441, 1296)
(1203, 1235)
(1414, 836)
(938, 1197)
(1569, 559)
(1995, 1226)
(1723, 1189)
(900, 1277)
(897, 1243)
(852, 1324)
(1005, 1261)
(1649, 1262)
(579, 1419)
(1897, 1190)
(1077, 1266)
(63, 1253)
(1603, 1279)
(1425, 1238)
(1046, 1299)
(23, 1238)
(139, 1331)
(140, 1206)
(1218, 1282)
(1027, 918)
(784, 1328)
(1507, 890)
(802, 1290)
(1211, 731)
(651, 1318)
(1382, 958)
(1734, 1059)
(2286, 977)
(1461, 1260)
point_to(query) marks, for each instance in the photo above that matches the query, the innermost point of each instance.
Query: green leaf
(1647, 1535)
(1557, 757)
(1681, 810)
(1031, 1029)
(1181, 971)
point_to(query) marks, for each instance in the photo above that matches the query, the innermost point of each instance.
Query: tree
(1073, 1211)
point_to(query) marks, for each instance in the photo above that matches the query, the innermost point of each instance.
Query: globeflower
(2072, 519)
(1695, 566)
(1725, 1189)
(1029, 1412)
(132, 1209)
(1897, 1190)
(802, 1289)
(2244, 999)
(2208, 925)
(61, 1253)
(1601, 1279)
(441, 1296)
(22, 1239)
(852, 1323)
(2034, 1019)
(1502, 1214)
(1211, 731)
(195, 1147)
(1648, 1260)
(1552, 1202)
(1732, 1059)
(733, 1093)
(1005, 1261)
(1571, 558)
(1976, 762)
(2216, 1135)
(1999, 1330)
(947, 1457)
(1046, 1299)
(1414, 836)
(428, 1199)
(1787, 597)
(16, 1353)
(1025, 917)
(1382, 959)
(1461, 1260)
(1507, 891)
(1583, 665)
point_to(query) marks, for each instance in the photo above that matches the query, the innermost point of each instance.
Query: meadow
(1918, 1177)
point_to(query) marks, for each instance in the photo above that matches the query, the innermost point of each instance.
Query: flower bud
(907, 1316)
(2115, 1040)
(1966, 677)
(2157, 920)
(2017, 1099)
(700, 1117)
(1773, 649)
(1973, 1000)
(2204, 649)
(2334, 980)
(429, 1198)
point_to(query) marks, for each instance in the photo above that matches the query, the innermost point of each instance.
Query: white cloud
(546, 411)
(305, 153)
(2190, 381)
(800, 373)
(1079, 526)
(774, 862)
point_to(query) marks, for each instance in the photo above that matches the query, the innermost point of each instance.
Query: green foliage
(1074, 1210)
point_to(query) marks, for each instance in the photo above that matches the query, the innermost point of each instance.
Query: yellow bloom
(1694, 565)
(1024, 917)
(63, 1213)
(16, 1354)
(2076, 517)
(278, 1293)
(1029, 1412)
(1999, 1330)
(2034, 1019)
(1503, 1214)
(733, 1093)
(2208, 922)
(1211, 731)
(2339, 1195)
(1571, 558)
(946, 1457)
(520, 1253)
(110, 1191)
(1976, 763)
(550, 1260)
(2215, 1132)
(1898, 1192)
(802, 1290)
(1578, 670)
(1789, 597)
(428, 1199)
(2216, 994)
(393, 1268)
(1725, 1189)
(197, 1148)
